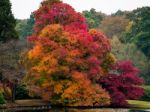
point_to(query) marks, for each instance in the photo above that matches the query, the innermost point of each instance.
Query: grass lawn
(147, 87)
(139, 104)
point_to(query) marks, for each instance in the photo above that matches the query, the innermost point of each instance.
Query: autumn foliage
(123, 83)
(56, 12)
(65, 62)
(68, 62)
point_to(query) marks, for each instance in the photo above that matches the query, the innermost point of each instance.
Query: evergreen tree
(25, 27)
(7, 22)
(28, 29)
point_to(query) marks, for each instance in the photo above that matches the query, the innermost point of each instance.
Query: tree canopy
(114, 25)
(93, 18)
(138, 31)
(25, 27)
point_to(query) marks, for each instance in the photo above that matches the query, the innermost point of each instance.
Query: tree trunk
(13, 93)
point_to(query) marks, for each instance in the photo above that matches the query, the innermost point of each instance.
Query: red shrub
(123, 83)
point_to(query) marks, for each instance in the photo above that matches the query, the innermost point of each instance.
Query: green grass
(139, 104)
(147, 87)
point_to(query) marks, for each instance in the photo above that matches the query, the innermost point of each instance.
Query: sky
(23, 8)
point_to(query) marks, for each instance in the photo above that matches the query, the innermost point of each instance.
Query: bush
(2, 99)
(22, 92)
(123, 84)
(146, 96)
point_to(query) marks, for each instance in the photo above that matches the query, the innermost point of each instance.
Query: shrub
(146, 96)
(123, 83)
(22, 92)
(2, 99)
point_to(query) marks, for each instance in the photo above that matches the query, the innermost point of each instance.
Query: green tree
(93, 18)
(25, 27)
(122, 13)
(118, 13)
(28, 29)
(20, 24)
(139, 30)
(7, 22)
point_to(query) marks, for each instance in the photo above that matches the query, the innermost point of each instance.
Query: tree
(28, 28)
(121, 13)
(7, 22)
(11, 72)
(118, 13)
(61, 61)
(25, 27)
(67, 58)
(138, 31)
(93, 18)
(114, 25)
(20, 24)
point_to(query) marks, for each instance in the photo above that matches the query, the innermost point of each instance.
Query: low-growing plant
(2, 99)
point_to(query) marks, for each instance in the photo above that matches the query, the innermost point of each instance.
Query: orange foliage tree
(67, 58)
